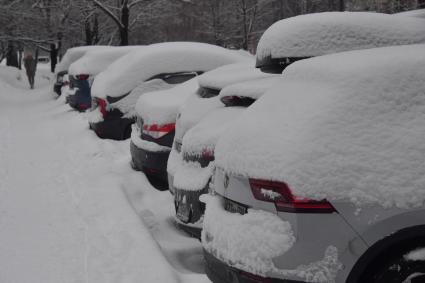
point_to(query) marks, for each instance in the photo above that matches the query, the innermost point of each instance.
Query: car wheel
(398, 269)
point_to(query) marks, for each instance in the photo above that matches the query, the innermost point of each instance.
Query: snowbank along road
(68, 200)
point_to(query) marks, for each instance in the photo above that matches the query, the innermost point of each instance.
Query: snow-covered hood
(170, 57)
(349, 126)
(161, 107)
(75, 53)
(331, 32)
(95, 61)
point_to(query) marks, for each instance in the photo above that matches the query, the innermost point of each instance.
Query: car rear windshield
(206, 92)
(176, 78)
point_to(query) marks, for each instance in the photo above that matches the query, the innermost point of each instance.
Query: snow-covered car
(305, 36)
(325, 183)
(71, 55)
(154, 131)
(193, 176)
(157, 67)
(83, 71)
(205, 99)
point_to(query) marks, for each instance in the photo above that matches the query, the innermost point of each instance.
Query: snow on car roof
(331, 32)
(169, 57)
(95, 61)
(75, 53)
(229, 74)
(161, 107)
(419, 13)
(196, 107)
(253, 88)
(349, 126)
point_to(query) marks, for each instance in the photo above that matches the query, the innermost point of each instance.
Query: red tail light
(158, 131)
(82, 77)
(282, 196)
(102, 106)
(207, 155)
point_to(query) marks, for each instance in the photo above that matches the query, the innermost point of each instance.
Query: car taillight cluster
(82, 77)
(158, 131)
(102, 106)
(281, 195)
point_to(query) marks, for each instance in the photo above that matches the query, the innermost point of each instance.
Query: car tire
(396, 269)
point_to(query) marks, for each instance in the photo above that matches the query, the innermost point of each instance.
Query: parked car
(325, 183)
(83, 71)
(153, 133)
(193, 177)
(156, 67)
(305, 36)
(203, 101)
(71, 55)
(155, 128)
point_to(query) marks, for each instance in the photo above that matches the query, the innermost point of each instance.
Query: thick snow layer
(248, 242)
(205, 134)
(253, 89)
(420, 13)
(175, 161)
(64, 217)
(161, 107)
(95, 61)
(73, 54)
(72, 209)
(345, 126)
(230, 74)
(331, 32)
(146, 145)
(11, 76)
(195, 107)
(190, 176)
(127, 105)
(416, 255)
(132, 69)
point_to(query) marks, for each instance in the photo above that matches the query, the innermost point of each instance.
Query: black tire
(396, 269)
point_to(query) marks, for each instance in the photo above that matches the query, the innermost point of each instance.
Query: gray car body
(351, 231)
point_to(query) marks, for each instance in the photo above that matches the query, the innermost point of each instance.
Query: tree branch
(108, 12)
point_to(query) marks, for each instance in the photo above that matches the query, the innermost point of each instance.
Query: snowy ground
(72, 209)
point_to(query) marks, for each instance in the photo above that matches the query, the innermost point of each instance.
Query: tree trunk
(341, 5)
(421, 3)
(125, 15)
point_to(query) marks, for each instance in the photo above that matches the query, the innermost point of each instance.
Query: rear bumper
(112, 128)
(219, 272)
(189, 209)
(73, 101)
(151, 162)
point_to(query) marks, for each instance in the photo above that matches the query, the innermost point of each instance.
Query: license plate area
(235, 207)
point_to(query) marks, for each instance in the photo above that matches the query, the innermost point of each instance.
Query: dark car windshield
(276, 65)
(176, 78)
(111, 99)
(231, 101)
(207, 92)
